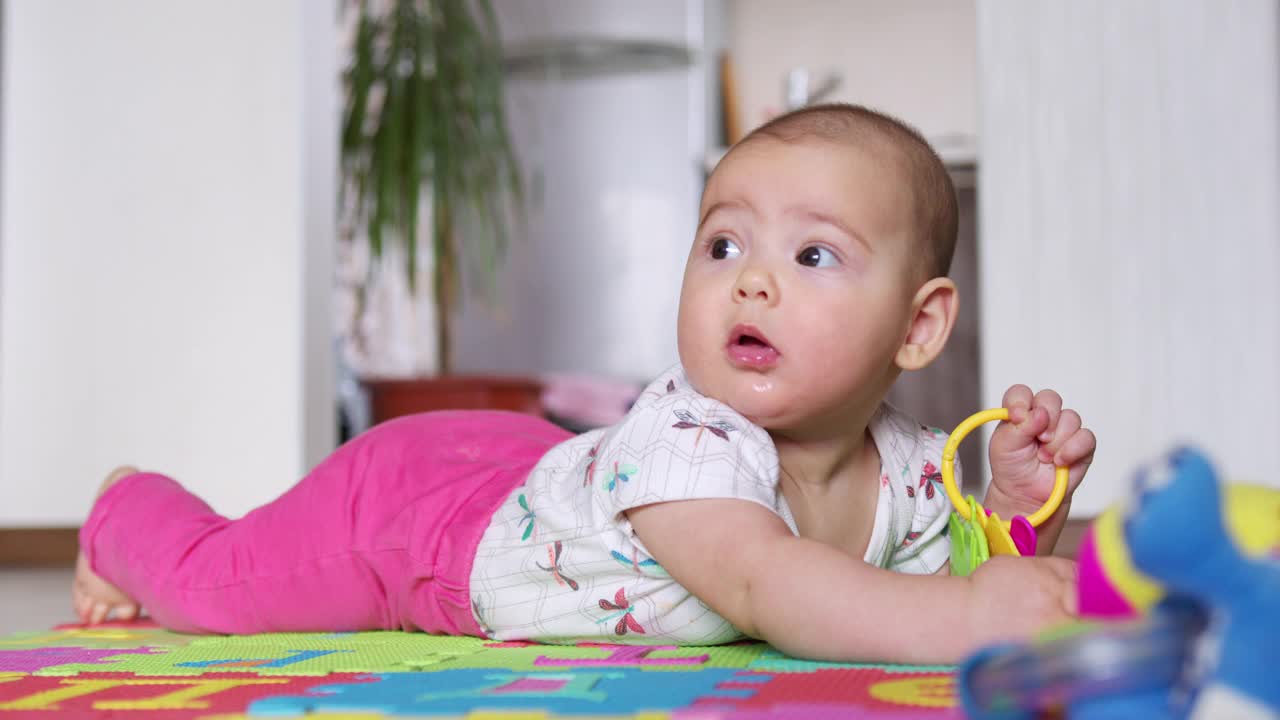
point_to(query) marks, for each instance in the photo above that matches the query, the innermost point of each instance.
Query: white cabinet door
(166, 220)
(1129, 224)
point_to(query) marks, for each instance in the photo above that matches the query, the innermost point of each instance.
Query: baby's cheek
(835, 348)
(690, 332)
(696, 349)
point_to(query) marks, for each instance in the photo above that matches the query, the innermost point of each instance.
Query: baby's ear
(933, 315)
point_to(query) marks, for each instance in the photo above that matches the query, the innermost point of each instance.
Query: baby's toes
(125, 612)
(80, 601)
(99, 613)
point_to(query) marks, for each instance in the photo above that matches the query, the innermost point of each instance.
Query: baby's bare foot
(96, 599)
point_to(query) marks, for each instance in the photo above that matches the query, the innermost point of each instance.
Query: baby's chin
(755, 397)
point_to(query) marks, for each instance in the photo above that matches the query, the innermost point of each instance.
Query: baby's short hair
(933, 194)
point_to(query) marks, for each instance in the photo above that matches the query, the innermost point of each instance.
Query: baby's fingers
(1057, 436)
(1065, 569)
(1066, 572)
(1017, 400)
(1077, 450)
(1051, 401)
(1025, 418)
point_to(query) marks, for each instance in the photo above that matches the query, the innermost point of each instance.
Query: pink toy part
(1097, 595)
(1024, 535)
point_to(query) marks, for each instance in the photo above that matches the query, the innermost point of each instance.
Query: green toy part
(968, 542)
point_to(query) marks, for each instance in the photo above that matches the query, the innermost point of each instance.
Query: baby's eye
(817, 256)
(722, 248)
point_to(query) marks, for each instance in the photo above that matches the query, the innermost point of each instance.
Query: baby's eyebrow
(722, 205)
(837, 223)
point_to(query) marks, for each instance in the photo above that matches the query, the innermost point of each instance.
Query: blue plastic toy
(1211, 649)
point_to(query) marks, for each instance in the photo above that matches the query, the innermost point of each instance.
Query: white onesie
(559, 561)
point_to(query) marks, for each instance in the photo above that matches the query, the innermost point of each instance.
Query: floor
(35, 599)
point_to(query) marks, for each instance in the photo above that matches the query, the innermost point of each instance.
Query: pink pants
(381, 535)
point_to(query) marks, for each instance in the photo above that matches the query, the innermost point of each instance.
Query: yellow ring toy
(949, 469)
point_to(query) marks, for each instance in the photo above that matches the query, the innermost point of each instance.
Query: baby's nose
(756, 284)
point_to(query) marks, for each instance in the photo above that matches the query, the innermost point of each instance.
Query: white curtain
(1130, 239)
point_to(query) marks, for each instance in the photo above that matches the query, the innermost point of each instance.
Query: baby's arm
(814, 601)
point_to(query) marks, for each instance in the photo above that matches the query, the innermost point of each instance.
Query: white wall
(913, 58)
(160, 301)
(1129, 226)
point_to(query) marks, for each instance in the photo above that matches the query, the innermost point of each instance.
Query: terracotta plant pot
(393, 398)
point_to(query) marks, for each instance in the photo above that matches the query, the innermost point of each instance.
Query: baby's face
(797, 292)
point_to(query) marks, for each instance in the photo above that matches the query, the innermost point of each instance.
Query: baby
(762, 487)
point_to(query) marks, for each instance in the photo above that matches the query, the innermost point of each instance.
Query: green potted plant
(428, 175)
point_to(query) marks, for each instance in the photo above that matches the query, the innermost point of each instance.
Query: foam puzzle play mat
(137, 670)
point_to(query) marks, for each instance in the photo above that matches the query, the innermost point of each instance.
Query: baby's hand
(1014, 598)
(1038, 436)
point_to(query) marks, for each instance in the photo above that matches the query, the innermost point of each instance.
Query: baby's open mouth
(749, 348)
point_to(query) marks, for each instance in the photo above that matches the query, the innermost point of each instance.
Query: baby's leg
(92, 597)
(301, 562)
